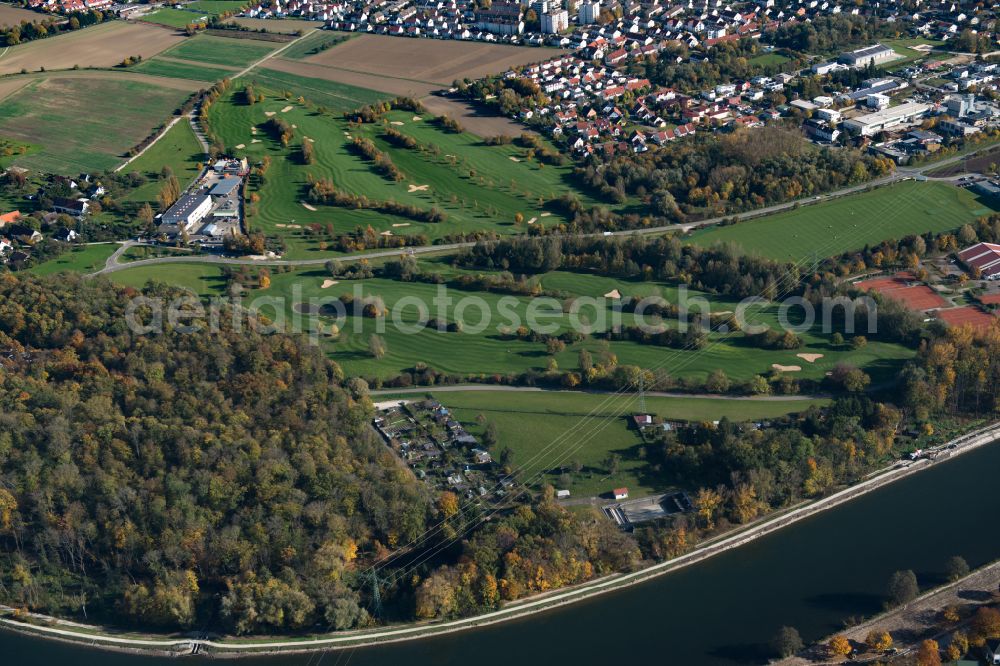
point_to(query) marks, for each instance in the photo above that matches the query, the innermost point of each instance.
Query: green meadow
(851, 222)
(201, 279)
(221, 50)
(81, 259)
(46, 114)
(182, 70)
(479, 187)
(178, 149)
(549, 431)
(490, 350)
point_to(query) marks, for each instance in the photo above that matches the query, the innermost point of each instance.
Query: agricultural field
(280, 26)
(10, 15)
(46, 113)
(432, 61)
(182, 70)
(103, 45)
(489, 350)
(337, 97)
(849, 223)
(477, 186)
(236, 53)
(81, 259)
(548, 430)
(177, 149)
(315, 43)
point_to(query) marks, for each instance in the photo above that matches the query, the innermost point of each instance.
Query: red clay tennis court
(918, 297)
(989, 299)
(966, 315)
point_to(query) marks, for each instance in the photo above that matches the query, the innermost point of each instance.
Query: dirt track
(104, 45)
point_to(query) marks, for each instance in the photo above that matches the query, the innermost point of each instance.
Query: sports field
(217, 6)
(176, 18)
(284, 26)
(902, 287)
(46, 113)
(103, 45)
(849, 223)
(547, 431)
(967, 316)
(178, 149)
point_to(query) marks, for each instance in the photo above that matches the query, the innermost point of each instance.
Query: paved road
(100, 636)
(903, 173)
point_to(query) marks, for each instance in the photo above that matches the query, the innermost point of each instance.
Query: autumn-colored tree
(448, 503)
(839, 646)
(985, 626)
(929, 653)
(706, 504)
(376, 346)
(958, 646)
(879, 641)
(263, 279)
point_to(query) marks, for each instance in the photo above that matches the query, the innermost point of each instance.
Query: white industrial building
(870, 55)
(894, 116)
(189, 210)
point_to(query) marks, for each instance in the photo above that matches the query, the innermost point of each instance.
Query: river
(810, 575)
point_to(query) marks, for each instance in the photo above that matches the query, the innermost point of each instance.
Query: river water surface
(810, 575)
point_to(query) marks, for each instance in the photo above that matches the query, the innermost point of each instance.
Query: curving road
(904, 173)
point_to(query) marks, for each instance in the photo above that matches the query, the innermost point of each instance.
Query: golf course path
(452, 388)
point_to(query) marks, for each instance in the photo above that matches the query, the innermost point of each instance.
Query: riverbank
(523, 608)
(913, 622)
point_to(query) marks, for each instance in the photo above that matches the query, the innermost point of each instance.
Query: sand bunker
(287, 109)
(786, 368)
(385, 233)
(308, 207)
(328, 283)
(241, 146)
(295, 126)
(254, 140)
(533, 220)
(416, 118)
(546, 214)
(417, 188)
(269, 113)
(401, 224)
(809, 358)
(515, 159)
(281, 226)
(614, 293)
(396, 123)
(310, 140)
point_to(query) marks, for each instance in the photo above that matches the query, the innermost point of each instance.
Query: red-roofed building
(620, 493)
(9, 218)
(984, 257)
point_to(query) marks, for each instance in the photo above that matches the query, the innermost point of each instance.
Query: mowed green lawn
(548, 431)
(178, 149)
(183, 70)
(81, 259)
(119, 113)
(849, 223)
(175, 18)
(490, 351)
(217, 6)
(221, 50)
(202, 280)
(479, 187)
